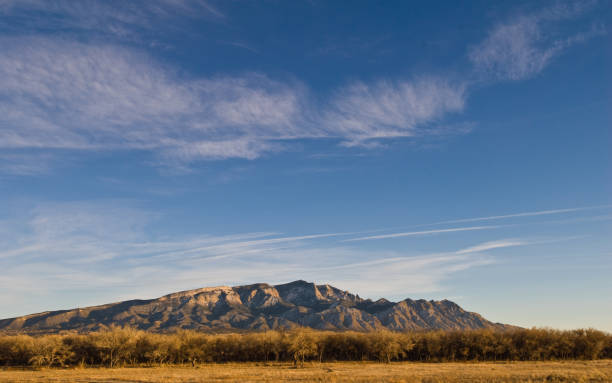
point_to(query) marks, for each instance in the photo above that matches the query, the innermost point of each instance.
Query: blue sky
(396, 149)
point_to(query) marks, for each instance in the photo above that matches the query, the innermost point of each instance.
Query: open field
(567, 371)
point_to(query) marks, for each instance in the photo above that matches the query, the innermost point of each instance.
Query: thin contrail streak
(425, 232)
(525, 214)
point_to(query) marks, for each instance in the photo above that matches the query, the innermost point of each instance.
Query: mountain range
(256, 307)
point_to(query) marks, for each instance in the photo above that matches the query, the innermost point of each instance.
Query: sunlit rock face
(257, 307)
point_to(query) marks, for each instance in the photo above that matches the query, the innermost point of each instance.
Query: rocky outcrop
(256, 307)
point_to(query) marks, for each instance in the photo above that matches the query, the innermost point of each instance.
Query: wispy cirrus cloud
(363, 112)
(58, 94)
(26, 164)
(524, 45)
(65, 95)
(420, 233)
(521, 215)
(98, 94)
(493, 245)
(426, 272)
(105, 250)
(121, 20)
(101, 251)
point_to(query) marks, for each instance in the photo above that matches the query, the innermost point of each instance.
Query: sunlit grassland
(562, 371)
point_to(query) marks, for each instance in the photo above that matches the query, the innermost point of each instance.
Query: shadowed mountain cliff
(256, 307)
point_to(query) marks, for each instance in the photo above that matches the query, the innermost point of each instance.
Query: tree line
(128, 347)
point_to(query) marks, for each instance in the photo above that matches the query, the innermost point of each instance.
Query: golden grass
(570, 371)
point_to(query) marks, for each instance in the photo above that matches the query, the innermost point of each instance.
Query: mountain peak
(299, 282)
(258, 306)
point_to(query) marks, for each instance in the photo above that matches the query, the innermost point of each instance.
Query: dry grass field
(572, 371)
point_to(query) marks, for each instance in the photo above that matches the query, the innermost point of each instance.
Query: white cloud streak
(64, 95)
(419, 233)
(362, 112)
(60, 94)
(523, 46)
(520, 215)
(27, 164)
(82, 253)
(492, 245)
(87, 253)
(121, 20)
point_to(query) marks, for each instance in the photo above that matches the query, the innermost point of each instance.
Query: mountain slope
(256, 307)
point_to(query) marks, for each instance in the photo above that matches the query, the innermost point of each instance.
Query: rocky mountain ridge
(256, 307)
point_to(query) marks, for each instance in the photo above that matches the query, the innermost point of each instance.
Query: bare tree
(302, 346)
(51, 351)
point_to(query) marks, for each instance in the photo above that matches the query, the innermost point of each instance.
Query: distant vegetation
(128, 347)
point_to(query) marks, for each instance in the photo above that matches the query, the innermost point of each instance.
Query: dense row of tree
(125, 346)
